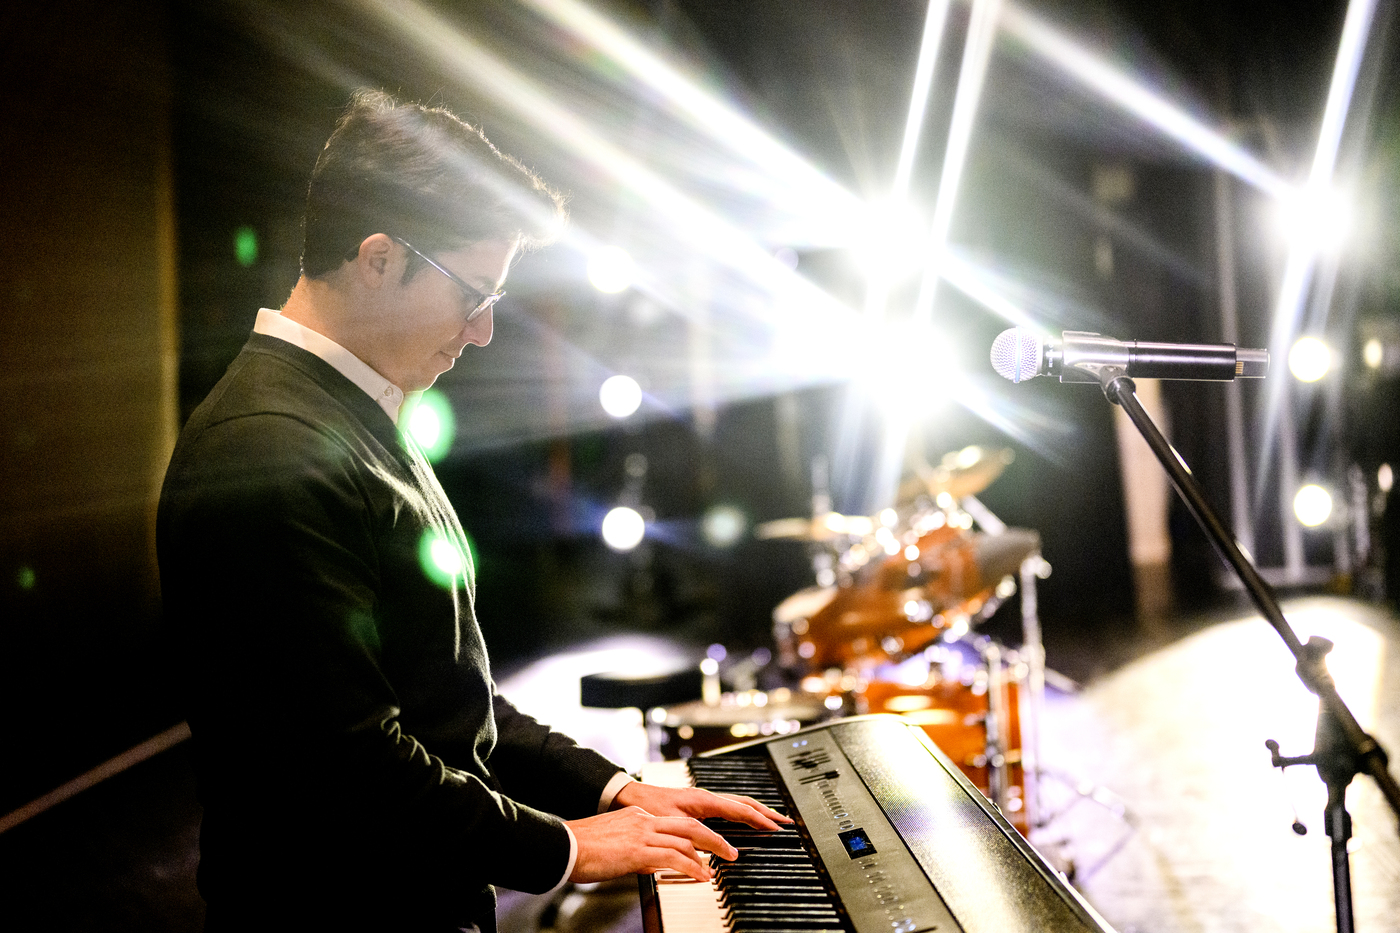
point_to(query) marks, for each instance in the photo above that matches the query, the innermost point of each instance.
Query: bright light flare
(1312, 505)
(611, 270)
(611, 51)
(620, 396)
(1302, 252)
(444, 561)
(1144, 103)
(623, 528)
(910, 369)
(1315, 221)
(977, 52)
(934, 21)
(1309, 360)
(464, 58)
(432, 424)
(891, 244)
(1385, 478)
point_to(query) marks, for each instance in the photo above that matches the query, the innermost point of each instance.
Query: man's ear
(374, 262)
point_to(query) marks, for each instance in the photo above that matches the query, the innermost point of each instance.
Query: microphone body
(1081, 356)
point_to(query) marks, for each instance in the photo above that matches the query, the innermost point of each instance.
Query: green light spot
(25, 578)
(446, 557)
(245, 246)
(444, 562)
(430, 422)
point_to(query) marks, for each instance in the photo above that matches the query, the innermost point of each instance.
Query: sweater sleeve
(547, 769)
(275, 577)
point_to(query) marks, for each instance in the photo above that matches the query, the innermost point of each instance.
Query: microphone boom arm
(1348, 749)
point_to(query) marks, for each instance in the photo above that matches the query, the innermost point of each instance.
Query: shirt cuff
(569, 868)
(619, 780)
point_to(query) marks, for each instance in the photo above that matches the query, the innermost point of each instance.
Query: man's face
(424, 326)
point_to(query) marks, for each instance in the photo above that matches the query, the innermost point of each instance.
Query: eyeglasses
(476, 299)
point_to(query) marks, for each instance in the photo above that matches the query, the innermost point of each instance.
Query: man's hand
(697, 803)
(659, 827)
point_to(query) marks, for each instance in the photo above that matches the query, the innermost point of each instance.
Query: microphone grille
(1016, 354)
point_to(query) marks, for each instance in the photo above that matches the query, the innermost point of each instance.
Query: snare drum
(688, 729)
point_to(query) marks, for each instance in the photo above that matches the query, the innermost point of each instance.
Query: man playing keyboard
(357, 767)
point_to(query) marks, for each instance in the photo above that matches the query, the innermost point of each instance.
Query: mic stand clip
(1342, 748)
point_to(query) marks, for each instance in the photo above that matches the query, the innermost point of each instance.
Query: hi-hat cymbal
(961, 473)
(826, 527)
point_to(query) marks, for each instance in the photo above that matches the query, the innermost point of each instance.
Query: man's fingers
(665, 857)
(764, 809)
(746, 810)
(697, 835)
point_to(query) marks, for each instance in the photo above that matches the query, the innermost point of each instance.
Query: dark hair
(422, 174)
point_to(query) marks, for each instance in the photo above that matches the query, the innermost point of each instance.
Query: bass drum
(973, 715)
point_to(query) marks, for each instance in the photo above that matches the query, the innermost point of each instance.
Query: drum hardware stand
(1343, 749)
(1032, 652)
(1037, 818)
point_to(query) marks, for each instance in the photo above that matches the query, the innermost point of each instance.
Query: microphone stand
(1342, 749)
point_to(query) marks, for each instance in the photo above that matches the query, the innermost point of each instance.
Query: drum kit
(891, 627)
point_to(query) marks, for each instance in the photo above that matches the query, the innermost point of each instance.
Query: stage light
(1315, 221)
(1309, 359)
(623, 528)
(723, 525)
(432, 424)
(1312, 505)
(892, 244)
(1373, 354)
(909, 368)
(1385, 478)
(611, 270)
(620, 396)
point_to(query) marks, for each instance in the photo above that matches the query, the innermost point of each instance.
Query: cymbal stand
(1343, 749)
(1031, 653)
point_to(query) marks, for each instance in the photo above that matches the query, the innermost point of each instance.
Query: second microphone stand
(1342, 749)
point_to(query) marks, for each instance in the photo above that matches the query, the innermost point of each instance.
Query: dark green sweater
(355, 762)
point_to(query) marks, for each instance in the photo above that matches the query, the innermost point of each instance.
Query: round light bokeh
(723, 526)
(620, 396)
(1312, 505)
(1373, 353)
(1309, 359)
(623, 528)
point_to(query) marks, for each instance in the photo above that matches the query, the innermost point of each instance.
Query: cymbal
(961, 473)
(826, 527)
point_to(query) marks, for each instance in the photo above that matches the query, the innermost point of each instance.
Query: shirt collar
(388, 396)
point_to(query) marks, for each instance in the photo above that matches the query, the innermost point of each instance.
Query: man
(357, 767)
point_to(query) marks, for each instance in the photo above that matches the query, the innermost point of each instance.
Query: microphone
(1018, 355)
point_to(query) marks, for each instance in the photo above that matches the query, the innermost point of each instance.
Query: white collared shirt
(387, 395)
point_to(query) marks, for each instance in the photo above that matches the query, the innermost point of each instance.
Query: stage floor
(1157, 784)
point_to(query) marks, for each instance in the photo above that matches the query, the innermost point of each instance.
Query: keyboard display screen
(857, 843)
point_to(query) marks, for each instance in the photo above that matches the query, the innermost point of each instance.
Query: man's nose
(478, 330)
